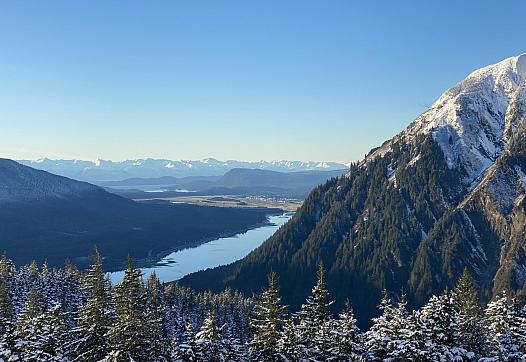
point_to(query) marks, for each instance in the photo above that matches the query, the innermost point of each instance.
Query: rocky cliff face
(446, 193)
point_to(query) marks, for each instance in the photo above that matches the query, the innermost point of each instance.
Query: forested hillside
(445, 194)
(45, 216)
(67, 315)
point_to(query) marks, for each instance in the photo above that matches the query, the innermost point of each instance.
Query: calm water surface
(214, 253)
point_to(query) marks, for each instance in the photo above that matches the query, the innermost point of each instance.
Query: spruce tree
(235, 350)
(7, 339)
(289, 348)
(6, 307)
(470, 325)
(347, 342)
(33, 271)
(95, 319)
(40, 333)
(506, 337)
(129, 334)
(185, 350)
(392, 336)
(158, 346)
(315, 320)
(55, 333)
(437, 327)
(267, 322)
(209, 340)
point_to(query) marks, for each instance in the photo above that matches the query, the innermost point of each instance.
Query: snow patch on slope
(473, 121)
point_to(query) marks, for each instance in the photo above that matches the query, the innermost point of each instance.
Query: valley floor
(236, 201)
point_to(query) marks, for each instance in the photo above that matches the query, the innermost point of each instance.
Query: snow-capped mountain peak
(474, 120)
(104, 170)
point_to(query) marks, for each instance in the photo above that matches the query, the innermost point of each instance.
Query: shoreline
(153, 261)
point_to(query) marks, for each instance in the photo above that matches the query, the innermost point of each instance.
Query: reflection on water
(217, 252)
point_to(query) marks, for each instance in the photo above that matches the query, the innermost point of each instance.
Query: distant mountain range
(102, 170)
(447, 193)
(45, 216)
(238, 181)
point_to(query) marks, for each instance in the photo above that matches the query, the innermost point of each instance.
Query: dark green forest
(393, 222)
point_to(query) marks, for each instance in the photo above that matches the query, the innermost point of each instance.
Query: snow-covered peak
(473, 121)
(521, 65)
(104, 170)
(41, 160)
(508, 74)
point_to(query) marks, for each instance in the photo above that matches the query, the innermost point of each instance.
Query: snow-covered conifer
(158, 345)
(471, 332)
(315, 319)
(505, 332)
(91, 342)
(347, 342)
(209, 340)
(129, 333)
(267, 322)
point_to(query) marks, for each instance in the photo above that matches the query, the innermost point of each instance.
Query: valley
(238, 201)
(268, 181)
(53, 218)
(445, 194)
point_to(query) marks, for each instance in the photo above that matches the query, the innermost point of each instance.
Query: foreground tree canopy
(66, 315)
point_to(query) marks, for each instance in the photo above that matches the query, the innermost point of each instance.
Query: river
(214, 253)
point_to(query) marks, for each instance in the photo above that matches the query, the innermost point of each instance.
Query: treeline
(66, 315)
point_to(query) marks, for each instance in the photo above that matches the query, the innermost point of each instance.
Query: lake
(211, 254)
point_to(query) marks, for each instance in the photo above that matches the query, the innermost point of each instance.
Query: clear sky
(250, 80)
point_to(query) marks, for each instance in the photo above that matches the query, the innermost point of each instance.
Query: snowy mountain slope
(19, 183)
(473, 121)
(448, 192)
(102, 170)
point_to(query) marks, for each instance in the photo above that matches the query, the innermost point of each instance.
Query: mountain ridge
(444, 194)
(45, 216)
(103, 170)
(19, 183)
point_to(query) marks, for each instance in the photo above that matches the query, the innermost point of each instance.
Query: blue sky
(303, 80)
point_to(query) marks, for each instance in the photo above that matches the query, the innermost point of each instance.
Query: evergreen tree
(55, 333)
(209, 340)
(235, 350)
(158, 349)
(267, 322)
(437, 327)
(129, 334)
(315, 322)
(506, 336)
(347, 342)
(392, 335)
(288, 342)
(470, 325)
(33, 271)
(185, 350)
(95, 319)
(6, 310)
(40, 333)
(6, 273)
